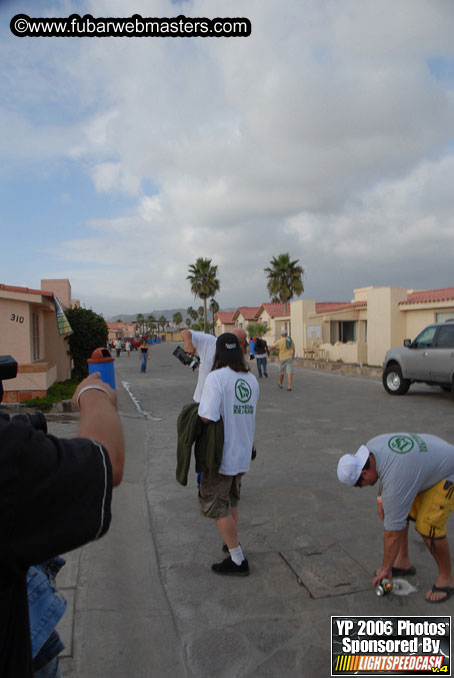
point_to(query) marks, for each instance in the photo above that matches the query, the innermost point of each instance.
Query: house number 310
(16, 318)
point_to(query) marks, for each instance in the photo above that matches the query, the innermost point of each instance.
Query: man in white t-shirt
(230, 392)
(205, 347)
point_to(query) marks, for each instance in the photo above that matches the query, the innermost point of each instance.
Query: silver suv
(429, 358)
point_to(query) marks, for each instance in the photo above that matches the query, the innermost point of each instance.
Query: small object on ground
(402, 587)
(383, 587)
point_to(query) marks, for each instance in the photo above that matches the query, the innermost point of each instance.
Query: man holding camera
(55, 496)
(205, 346)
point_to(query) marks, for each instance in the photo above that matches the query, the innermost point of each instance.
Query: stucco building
(362, 330)
(30, 333)
(276, 317)
(224, 322)
(120, 329)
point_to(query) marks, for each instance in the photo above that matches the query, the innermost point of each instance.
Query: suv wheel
(394, 382)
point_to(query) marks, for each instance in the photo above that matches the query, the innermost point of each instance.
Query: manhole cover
(327, 572)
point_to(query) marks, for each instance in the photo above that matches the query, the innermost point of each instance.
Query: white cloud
(323, 134)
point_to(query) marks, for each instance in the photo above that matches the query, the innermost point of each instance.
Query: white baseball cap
(350, 466)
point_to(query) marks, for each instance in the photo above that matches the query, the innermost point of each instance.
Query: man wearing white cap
(416, 474)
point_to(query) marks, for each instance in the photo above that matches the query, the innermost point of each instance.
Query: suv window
(425, 338)
(445, 337)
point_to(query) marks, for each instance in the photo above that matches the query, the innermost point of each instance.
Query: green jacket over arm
(207, 438)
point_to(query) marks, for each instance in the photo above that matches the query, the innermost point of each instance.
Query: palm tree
(151, 322)
(285, 278)
(177, 319)
(140, 321)
(162, 321)
(204, 284)
(192, 313)
(214, 308)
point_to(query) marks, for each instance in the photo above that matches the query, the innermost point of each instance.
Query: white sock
(237, 555)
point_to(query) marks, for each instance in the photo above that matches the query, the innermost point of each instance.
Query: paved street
(145, 600)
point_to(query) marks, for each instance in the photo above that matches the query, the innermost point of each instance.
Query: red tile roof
(225, 317)
(248, 312)
(25, 290)
(424, 296)
(332, 306)
(276, 310)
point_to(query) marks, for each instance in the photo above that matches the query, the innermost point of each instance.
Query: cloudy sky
(328, 133)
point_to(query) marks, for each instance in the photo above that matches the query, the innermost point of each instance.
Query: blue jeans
(261, 362)
(50, 670)
(143, 365)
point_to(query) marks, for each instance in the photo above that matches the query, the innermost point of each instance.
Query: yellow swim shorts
(430, 509)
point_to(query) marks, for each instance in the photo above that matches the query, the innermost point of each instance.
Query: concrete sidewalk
(146, 601)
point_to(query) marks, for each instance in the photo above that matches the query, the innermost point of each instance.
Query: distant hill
(168, 313)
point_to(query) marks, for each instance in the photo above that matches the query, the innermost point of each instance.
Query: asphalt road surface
(143, 600)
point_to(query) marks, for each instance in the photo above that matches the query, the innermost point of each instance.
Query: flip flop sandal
(441, 589)
(400, 572)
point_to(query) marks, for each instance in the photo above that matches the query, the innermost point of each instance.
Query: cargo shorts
(430, 509)
(286, 366)
(218, 494)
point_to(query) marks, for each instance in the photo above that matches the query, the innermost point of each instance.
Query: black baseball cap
(228, 348)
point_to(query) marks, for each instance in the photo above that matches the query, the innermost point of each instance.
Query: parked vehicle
(429, 358)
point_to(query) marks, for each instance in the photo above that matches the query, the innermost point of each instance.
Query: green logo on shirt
(401, 444)
(243, 391)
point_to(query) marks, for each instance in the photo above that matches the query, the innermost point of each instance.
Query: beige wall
(241, 322)
(385, 324)
(274, 325)
(221, 328)
(346, 352)
(15, 334)
(61, 288)
(300, 316)
(417, 317)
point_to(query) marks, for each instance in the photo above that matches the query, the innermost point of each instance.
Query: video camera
(192, 360)
(8, 370)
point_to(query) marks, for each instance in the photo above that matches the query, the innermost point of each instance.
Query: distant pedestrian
(118, 347)
(286, 348)
(128, 347)
(261, 353)
(251, 348)
(144, 355)
(231, 393)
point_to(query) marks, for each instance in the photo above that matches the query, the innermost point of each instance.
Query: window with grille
(35, 336)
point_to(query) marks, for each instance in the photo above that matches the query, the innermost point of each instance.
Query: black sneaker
(228, 567)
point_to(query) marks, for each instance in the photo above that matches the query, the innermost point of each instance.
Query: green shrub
(89, 332)
(61, 390)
